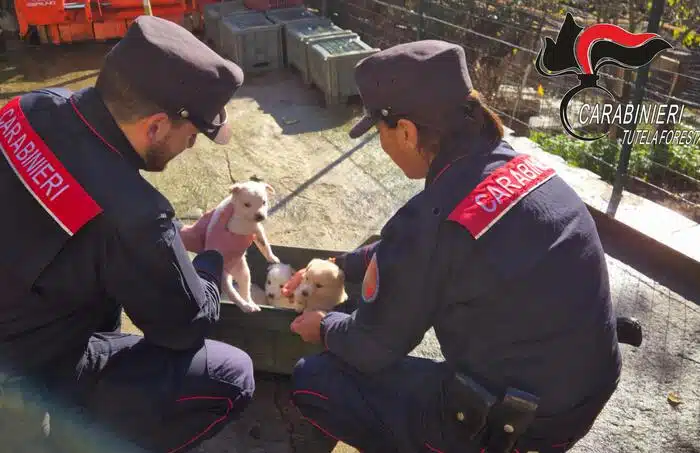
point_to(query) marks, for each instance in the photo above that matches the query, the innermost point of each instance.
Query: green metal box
(299, 35)
(252, 41)
(213, 12)
(286, 16)
(332, 66)
(265, 335)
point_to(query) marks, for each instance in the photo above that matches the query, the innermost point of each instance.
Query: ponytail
(485, 121)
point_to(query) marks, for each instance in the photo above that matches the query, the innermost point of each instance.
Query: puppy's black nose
(259, 217)
(270, 295)
(305, 293)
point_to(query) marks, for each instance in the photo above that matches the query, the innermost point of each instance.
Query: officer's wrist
(193, 241)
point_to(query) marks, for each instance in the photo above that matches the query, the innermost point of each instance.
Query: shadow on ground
(303, 186)
(31, 67)
(271, 424)
(297, 108)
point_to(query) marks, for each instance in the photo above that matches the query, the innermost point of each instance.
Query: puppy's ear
(341, 276)
(268, 188)
(235, 188)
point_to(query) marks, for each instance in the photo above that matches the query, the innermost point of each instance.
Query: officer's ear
(157, 127)
(407, 134)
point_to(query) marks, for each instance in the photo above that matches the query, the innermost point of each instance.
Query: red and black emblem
(583, 51)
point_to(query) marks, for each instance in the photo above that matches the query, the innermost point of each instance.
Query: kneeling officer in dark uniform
(85, 235)
(497, 253)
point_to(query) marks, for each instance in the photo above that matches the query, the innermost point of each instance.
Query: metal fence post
(523, 82)
(657, 9)
(421, 19)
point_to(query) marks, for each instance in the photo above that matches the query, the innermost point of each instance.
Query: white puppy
(250, 201)
(258, 294)
(277, 276)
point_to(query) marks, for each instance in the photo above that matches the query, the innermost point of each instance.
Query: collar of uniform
(93, 112)
(459, 147)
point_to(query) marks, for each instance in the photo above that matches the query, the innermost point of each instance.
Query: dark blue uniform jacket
(503, 259)
(86, 235)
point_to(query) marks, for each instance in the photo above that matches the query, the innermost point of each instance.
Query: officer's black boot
(629, 331)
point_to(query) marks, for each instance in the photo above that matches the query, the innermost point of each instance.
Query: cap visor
(365, 124)
(223, 134)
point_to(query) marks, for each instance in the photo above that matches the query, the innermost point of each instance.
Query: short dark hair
(126, 103)
(483, 122)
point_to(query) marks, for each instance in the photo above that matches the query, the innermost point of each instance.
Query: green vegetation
(683, 14)
(601, 157)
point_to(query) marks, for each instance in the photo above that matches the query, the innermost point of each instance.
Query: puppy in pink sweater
(250, 208)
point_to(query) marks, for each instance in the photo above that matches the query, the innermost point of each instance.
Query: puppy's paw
(249, 306)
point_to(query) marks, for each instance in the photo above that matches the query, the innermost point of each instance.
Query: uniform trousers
(130, 396)
(398, 410)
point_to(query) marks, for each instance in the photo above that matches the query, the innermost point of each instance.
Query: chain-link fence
(502, 40)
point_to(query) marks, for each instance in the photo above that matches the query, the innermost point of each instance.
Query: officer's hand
(308, 326)
(193, 235)
(219, 238)
(292, 283)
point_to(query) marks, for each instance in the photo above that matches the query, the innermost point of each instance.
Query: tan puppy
(322, 287)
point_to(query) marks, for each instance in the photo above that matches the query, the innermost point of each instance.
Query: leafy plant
(602, 156)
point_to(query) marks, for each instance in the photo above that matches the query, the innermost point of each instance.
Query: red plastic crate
(264, 5)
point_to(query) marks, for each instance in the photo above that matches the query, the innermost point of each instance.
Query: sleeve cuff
(211, 263)
(331, 322)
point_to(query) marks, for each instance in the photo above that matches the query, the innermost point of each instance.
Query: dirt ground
(332, 192)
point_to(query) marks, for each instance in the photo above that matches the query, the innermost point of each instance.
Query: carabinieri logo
(583, 51)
